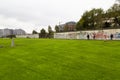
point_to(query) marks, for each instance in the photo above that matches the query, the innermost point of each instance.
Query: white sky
(36, 14)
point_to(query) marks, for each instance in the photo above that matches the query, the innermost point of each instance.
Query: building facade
(1, 32)
(69, 26)
(19, 32)
(7, 32)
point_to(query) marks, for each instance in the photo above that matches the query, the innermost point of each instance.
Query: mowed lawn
(50, 59)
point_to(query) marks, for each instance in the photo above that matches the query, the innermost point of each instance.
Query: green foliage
(80, 24)
(50, 32)
(49, 29)
(43, 33)
(45, 59)
(107, 25)
(90, 19)
(114, 11)
(11, 36)
(34, 32)
(95, 18)
(56, 28)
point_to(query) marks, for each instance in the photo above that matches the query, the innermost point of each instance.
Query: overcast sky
(37, 14)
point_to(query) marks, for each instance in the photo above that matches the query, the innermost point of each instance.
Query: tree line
(97, 18)
(44, 34)
(93, 19)
(100, 19)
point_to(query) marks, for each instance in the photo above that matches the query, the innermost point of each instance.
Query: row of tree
(100, 19)
(44, 34)
(91, 20)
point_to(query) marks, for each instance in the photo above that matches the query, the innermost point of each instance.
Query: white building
(6, 32)
(1, 32)
(19, 32)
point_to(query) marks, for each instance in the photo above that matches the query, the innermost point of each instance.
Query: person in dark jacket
(88, 37)
(111, 36)
(94, 36)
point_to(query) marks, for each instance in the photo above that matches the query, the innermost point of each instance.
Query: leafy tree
(114, 12)
(90, 19)
(43, 33)
(56, 28)
(118, 20)
(34, 32)
(106, 25)
(79, 25)
(50, 32)
(49, 29)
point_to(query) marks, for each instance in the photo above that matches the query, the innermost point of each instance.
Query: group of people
(94, 37)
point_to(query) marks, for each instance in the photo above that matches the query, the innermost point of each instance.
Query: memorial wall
(99, 34)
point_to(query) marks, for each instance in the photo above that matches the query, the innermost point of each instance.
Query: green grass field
(44, 59)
